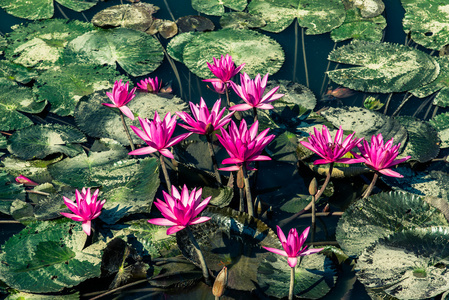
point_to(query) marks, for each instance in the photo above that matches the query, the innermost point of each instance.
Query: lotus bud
(313, 187)
(240, 179)
(25, 181)
(220, 283)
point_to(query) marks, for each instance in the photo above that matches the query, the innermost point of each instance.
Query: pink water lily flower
(219, 87)
(158, 135)
(243, 145)
(150, 85)
(120, 97)
(381, 157)
(293, 245)
(251, 91)
(25, 181)
(203, 121)
(332, 150)
(224, 69)
(181, 209)
(85, 209)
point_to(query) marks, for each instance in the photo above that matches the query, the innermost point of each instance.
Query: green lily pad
(175, 47)
(294, 94)
(3, 142)
(55, 251)
(13, 99)
(319, 16)
(217, 7)
(39, 141)
(64, 86)
(136, 52)
(382, 67)
(100, 121)
(314, 278)
(359, 28)
(370, 8)
(194, 23)
(423, 142)
(128, 16)
(29, 296)
(441, 124)
(367, 220)
(15, 72)
(408, 265)
(22, 211)
(36, 170)
(3, 43)
(221, 197)
(241, 20)
(9, 191)
(283, 147)
(40, 44)
(427, 22)
(366, 123)
(260, 53)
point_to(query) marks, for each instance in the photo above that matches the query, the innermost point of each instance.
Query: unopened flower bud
(313, 187)
(25, 181)
(220, 283)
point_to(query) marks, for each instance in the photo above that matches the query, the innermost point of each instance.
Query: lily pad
(29, 296)
(367, 220)
(241, 20)
(3, 43)
(40, 44)
(15, 72)
(441, 124)
(36, 170)
(370, 8)
(260, 53)
(128, 16)
(64, 86)
(427, 22)
(217, 7)
(175, 47)
(55, 251)
(13, 99)
(39, 141)
(136, 52)
(318, 16)
(423, 142)
(9, 191)
(366, 123)
(294, 94)
(411, 264)
(382, 67)
(194, 23)
(100, 121)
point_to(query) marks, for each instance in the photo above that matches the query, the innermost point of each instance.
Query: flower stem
(249, 200)
(292, 283)
(242, 201)
(255, 114)
(214, 160)
(227, 95)
(371, 186)
(312, 237)
(164, 170)
(127, 131)
(200, 255)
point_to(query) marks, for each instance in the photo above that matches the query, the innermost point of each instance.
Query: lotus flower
(381, 157)
(203, 121)
(25, 181)
(120, 97)
(332, 151)
(158, 135)
(293, 246)
(251, 91)
(150, 85)
(219, 87)
(180, 209)
(86, 208)
(243, 145)
(224, 69)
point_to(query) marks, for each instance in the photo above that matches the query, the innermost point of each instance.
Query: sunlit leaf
(217, 7)
(129, 16)
(241, 20)
(441, 124)
(15, 72)
(9, 191)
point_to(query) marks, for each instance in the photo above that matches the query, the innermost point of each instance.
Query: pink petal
(86, 227)
(277, 251)
(175, 229)
(161, 222)
(310, 251)
(199, 220)
(127, 112)
(143, 151)
(390, 173)
(166, 153)
(292, 261)
(241, 107)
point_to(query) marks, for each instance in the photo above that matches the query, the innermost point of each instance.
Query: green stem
(200, 255)
(242, 201)
(371, 186)
(127, 131)
(249, 200)
(164, 170)
(304, 57)
(312, 238)
(227, 95)
(255, 114)
(214, 159)
(292, 283)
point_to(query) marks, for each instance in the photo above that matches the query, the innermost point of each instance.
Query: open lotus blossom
(381, 157)
(293, 245)
(120, 97)
(158, 135)
(181, 209)
(251, 91)
(224, 69)
(85, 209)
(25, 181)
(203, 121)
(332, 150)
(243, 145)
(150, 85)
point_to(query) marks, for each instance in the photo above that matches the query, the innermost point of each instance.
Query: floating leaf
(15, 72)
(100, 121)
(39, 141)
(128, 16)
(408, 265)
(359, 28)
(367, 220)
(217, 7)
(241, 20)
(427, 22)
(3, 44)
(36, 170)
(175, 47)
(441, 124)
(136, 52)
(194, 23)
(64, 86)
(54, 259)
(370, 8)
(319, 16)
(221, 197)
(294, 94)
(22, 211)
(260, 53)
(13, 99)
(423, 141)
(383, 67)
(40, 44)
(9, 191)
(283, 148)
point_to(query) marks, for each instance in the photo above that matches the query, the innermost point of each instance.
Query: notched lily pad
(166, 28)
(194, 23)
(217, 7)
(241, 20)
(126, 15)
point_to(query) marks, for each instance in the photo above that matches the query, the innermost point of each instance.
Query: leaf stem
(214, 159)
(127, 131)
(227, 95)
(200, 255)
(371, 186)
(255, 114)
(249, 200)
(164, 170)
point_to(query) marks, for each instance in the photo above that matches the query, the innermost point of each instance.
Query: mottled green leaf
(36, 170)
(241, 20)
(29, 296)
(15, 72)
(175, 47)
(134, 16)
(3, 43)
(217, 7)
(9, 191)
(441, 124)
